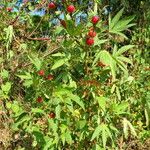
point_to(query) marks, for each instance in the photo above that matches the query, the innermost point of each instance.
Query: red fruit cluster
(51, 5)
(91, 33)
(9, 9)
(89, 41)
(52, 115)
(50, 77)
(39, 100)
(71, 9)
(95, 19)
(90, 38)
(41, 73)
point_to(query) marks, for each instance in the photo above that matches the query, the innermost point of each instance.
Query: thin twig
(35, 28)
(39, 39)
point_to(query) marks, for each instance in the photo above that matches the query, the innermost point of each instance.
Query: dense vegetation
(75, 74)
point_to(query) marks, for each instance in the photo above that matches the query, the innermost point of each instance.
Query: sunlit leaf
(96, 133)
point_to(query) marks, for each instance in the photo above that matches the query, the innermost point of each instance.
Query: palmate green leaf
(118, 93)
(37, 110)
(121, 64)
(116, 25)
(115, 49)
(102, 102)
(68, 137)
(123, 67)
(15, 108)
(6, 87)
(98, 147)
(9, 34)
(106, 133)
(81, 124)
(23, 46)
(63, 138)
(123, 49)
(126, 126)
(36, 61)
(97, 56)
(39, 137)
(63, 128)
(77, 99)
(27, 76)
(104, 136)
(121, 108)
(133, 132)
(58, 54)
(120, 29)
(23, 118)
(125, 59)
(123, 24)
(66, 134)
(114, 129)
(72, 29)
(95, 7)
(107, 59)
(147, 116)
(59, 63)
(60, 92)
(119, 33)
(130, 25)
(96, 132)
(117, 17)
(99, 42)
(58, 30)
(48, 144)
(4, 74)
(8, 105)
(58, 110)
(81, 137)
(52, 125)
(28, 83)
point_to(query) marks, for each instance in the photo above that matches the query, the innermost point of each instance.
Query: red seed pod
(52, 115)
(50, 77)
(51, 5)
(90, 41)
(9, 9)
(95, 19)
(91, 33)
(39, 100)
(41, 73)
(71, 9)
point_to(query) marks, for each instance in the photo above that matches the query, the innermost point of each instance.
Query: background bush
(67, 83)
